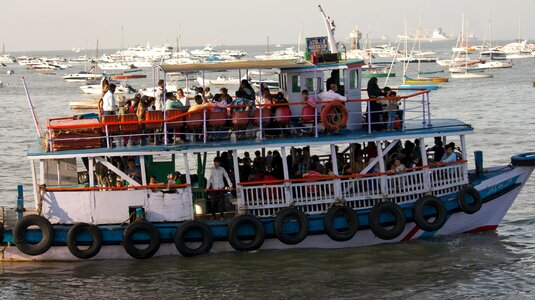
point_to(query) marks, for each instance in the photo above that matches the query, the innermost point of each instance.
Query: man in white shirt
(331, 94)
(216, 182)
(108, 101)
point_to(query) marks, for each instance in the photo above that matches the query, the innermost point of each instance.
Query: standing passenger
(216, 182)
(108, 102)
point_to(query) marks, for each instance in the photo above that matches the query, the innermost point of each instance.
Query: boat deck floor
(412, 127)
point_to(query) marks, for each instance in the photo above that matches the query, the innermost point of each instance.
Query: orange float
(334, 116)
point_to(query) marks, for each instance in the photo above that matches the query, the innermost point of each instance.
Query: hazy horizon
(62, 25)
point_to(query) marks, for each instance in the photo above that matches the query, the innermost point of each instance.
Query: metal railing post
(205, 136)
(369, 116)
(316, 121)
(423, 109)
(261, 123)
(403, 115)
(107, 136)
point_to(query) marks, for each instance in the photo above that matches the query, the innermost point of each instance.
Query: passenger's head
(313, 167)
(315, 158)
(217, 162)
(131, 163)
(217, 97)
(397, 161)
(347, 170)
(180, 93)
(304, 93)
(246, 154)
(449, 148)
(333, 87)
(244, 83)
(105, 84)
(239, 94)
(206, 89)
(112, 87)
(223, 91)
(198, 99)
(161, 83)
(153, 180)
(257, 153)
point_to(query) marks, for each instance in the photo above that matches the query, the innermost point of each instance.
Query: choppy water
(498, 264)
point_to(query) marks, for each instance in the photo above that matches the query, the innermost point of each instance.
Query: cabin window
(313, 85)
(353, 79)
(296, 86)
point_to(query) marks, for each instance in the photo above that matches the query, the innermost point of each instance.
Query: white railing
(359, 192)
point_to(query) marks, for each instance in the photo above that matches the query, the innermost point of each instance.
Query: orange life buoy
(334, 116)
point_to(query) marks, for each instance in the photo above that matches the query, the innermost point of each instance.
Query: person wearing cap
(108, 101)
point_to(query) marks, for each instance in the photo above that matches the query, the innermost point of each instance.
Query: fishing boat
(81, 212)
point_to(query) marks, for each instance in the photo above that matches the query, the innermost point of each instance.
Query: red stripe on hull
(411, 233)
(483, 228)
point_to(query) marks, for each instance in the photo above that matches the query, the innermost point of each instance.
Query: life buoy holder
(334, 116)
(376, 224)
(207, 238)
(283, 217)
(47, 235)
(524, 159)
(238, 242)
(350, 218)
(469, 200)
(95, 243)
(419, 213)
(130, 245)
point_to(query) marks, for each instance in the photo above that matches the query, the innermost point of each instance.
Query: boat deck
(412, 129)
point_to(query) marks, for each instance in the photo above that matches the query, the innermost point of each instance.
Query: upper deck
(263, 122)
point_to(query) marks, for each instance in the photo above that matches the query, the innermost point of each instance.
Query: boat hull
(498, 192)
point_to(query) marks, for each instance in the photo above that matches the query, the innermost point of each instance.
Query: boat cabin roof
(283, 64)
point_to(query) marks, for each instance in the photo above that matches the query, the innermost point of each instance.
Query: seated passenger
(220, 104)
(247, 90)
(438, 149)
(172, 104)
(239, 101)
(225, 96)
(331, 94)
(199, 104)
(449, 156)
(415, 161)
(397, 166)
(307, 100)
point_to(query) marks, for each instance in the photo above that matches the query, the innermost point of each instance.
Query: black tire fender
(375, 220)
(128, 241)
(46, 230)
(207, 240)
(419, 214)
(462, 200)
(234, 239)
(281, 218)
(351, 218)
(96, 240)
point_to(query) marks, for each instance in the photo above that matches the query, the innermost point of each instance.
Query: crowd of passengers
(385, 114)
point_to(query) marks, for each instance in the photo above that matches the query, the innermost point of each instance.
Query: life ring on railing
(154, 242)
(47, 233)
(95, 243)
(418, 213)
(524, 159)
(207, 238)
(1, 233)
(243, 245)
(376, 225)
(350, 218)
(282, 218)
(469, 200)
(334, 116)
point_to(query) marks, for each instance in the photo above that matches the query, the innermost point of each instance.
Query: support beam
(36, 195)
(91, 171)
(143, 170)
(374, 161)
(123, 175)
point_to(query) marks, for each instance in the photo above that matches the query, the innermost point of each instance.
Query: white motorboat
(82, 76)
(516, 50)
(115, 66)
(7, 59)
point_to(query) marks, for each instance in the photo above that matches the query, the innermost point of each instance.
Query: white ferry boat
(329, 182)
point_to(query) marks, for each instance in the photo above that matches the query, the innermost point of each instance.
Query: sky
(60, 24)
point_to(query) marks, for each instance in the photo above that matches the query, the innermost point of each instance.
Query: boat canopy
(256, 64)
